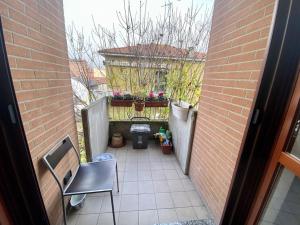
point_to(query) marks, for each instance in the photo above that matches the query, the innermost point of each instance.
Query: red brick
(17, 51)
(237, 46)
(14, 26)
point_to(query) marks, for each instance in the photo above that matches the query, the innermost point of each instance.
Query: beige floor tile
(121, 166)
(168, 165)
(171, 174)
(115, 188)
(128, 218)
(167, 215)
(201, 212)
(106, 204)
(130, 176)
(155, 165)
(131, 167)
(188, 185)
(186, 214)
(181, 199)
(147, 201)
(72, 218)
(161, 186)
(132, 160)
(121, 155)
(91, 205)
(132, 157)
(144, 175)
(144, 166)
(148, 217)
(194, 198)
(158, 175)
(175, 185)
(168, 158)
(87, 219)
(121, 176)
(129, 203)
(164, 200)
(145, 187)
(130, 188)
(107, 219)
(143, 159)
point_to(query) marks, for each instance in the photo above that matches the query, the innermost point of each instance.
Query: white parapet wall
(182, 135)
(95, 123)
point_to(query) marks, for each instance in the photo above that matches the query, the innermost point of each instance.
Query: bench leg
(117, 174)
(112, 207)
(64, 210)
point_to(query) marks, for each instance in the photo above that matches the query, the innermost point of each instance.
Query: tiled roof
(79, 68)
(153, 50)
(100, 80)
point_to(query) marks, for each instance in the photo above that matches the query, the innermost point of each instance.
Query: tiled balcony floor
(153, 189)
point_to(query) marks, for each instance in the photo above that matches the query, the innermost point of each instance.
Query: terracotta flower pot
(139, 105)
(117, 140)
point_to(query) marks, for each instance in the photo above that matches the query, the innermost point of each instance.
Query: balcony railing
(101, 120)
(126, 113)
(136, 64)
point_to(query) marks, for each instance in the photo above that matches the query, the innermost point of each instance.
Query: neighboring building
(151, 65)
(85, 78)
(96, 79)
(100, 78)
(99, 73)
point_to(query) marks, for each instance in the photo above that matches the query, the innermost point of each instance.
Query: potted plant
(165, 140)
(121, 100)
(166, 147)
(159, 101)
(181, 109)
(166, 143)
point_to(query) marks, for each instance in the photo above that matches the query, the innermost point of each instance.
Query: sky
(80, 12)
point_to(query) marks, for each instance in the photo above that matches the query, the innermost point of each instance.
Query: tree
(187, 32)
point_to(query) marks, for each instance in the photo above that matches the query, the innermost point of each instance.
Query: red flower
(151, 94)
(116, 93)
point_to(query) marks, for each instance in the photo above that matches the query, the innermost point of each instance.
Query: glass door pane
(283, 207)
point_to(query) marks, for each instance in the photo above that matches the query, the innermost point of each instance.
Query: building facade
(154, 67)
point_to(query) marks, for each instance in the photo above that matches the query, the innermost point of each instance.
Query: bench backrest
(55, 155)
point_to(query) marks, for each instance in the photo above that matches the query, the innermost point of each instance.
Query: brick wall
(36, 45)
(239, 34)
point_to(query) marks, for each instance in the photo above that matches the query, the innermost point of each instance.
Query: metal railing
(137, 64)
(121, 113)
